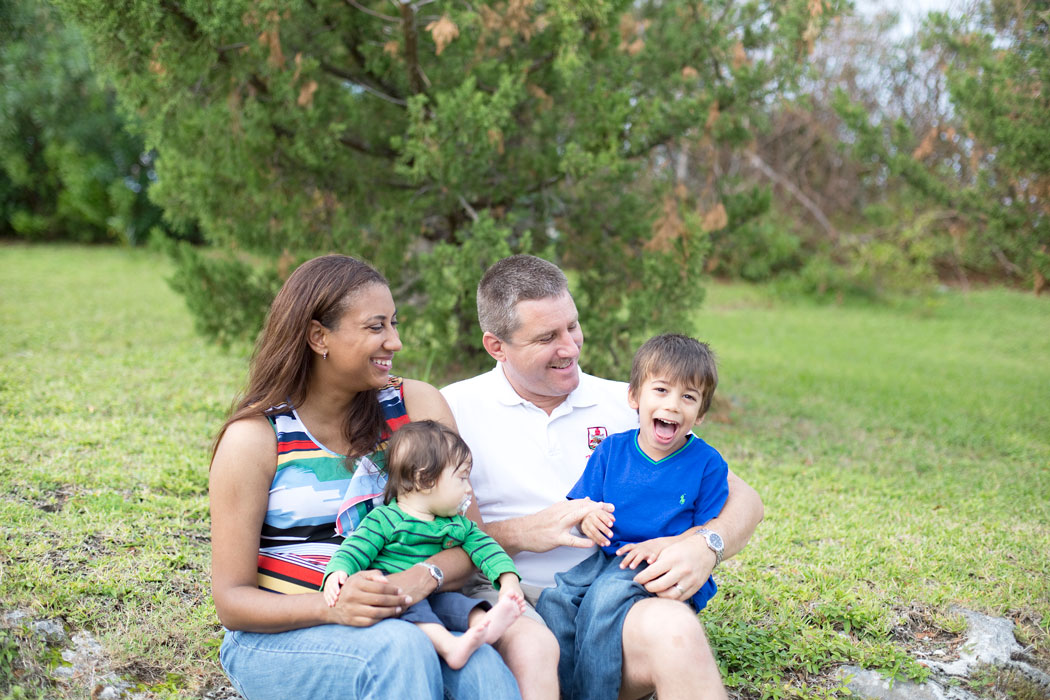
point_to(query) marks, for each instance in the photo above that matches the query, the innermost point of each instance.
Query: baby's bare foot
(500, 617)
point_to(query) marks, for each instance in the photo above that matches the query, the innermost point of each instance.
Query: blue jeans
(585, 611)
(391, 659)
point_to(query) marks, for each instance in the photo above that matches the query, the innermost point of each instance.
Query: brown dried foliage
(509, 21)
(444, 31)
(668, 227)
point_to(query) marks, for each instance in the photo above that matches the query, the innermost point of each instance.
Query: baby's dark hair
(417, 454)
(679, 359)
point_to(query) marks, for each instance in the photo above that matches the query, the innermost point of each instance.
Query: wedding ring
(679, 589)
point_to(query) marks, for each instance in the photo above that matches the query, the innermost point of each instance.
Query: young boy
(663, 481)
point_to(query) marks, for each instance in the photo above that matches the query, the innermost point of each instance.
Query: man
(531, 424)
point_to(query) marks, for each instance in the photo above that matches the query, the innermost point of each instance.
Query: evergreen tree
(432, 138)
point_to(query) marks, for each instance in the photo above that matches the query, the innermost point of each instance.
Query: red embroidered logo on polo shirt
(596, 435)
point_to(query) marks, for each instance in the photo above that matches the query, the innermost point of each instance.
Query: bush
(68, 168)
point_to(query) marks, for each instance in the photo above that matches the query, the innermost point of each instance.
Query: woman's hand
(366, 598)
(415, 583)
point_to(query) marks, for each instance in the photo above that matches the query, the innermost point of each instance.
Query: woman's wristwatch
(714, 543)
(435, 571)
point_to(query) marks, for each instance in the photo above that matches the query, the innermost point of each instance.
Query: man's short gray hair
(509, 281)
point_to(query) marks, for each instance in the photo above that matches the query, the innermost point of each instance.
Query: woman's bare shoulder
(247, 443)
(423, 401)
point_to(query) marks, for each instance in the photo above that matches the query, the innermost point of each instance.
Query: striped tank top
(315, 500)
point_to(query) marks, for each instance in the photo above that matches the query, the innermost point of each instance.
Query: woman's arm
(241, 474)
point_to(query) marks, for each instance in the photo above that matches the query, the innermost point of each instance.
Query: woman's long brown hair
(319, 290)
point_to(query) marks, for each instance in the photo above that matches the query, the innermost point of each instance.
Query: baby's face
(451, 491)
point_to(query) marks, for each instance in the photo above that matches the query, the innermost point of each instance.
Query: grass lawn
(902, 451)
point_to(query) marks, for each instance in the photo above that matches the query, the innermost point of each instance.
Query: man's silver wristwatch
(435, 571)
(714, 543)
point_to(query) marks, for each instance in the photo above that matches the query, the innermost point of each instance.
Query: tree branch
(367, 11)
(369, 150)
(360, 82)
(408, 28)
(799, 195)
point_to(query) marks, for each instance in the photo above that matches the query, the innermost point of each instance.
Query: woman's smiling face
(363, 344)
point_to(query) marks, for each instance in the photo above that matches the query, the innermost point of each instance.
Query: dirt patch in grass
(69, 558)
(1004, 684)
(47, 498)
(1034, 638)
(921, 632)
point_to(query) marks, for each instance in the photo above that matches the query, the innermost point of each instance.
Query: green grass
(902, 451)
(903, 455)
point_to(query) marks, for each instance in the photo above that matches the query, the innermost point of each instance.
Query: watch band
(435, 571)
(714, 543)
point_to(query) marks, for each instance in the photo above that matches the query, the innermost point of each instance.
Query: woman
(311, 427)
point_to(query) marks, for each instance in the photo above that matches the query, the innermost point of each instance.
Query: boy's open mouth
(664, 430)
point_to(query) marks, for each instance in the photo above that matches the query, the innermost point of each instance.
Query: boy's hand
(597, 525)
(332, 585)
(647, 551)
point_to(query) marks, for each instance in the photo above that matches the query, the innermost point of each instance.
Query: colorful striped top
(390, 540)
(315, 500)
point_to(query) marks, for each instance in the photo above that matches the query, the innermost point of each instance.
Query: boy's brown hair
(679, 359)
(417, 454)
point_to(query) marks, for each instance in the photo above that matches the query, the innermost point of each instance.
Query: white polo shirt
(525, 460)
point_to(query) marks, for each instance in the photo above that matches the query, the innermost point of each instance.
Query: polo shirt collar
(582, 396)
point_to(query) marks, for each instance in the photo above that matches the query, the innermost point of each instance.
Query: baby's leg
(454, 650)
(527, 646)
(497, 618)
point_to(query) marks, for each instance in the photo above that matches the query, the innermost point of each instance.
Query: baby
(427, 492)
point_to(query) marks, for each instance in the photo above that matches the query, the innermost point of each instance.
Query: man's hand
(547, 529)
(552, 526)
(637, 552)
(679, 570)
(366, 598)
(598, 526)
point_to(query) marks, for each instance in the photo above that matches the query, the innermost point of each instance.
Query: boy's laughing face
(667, 412)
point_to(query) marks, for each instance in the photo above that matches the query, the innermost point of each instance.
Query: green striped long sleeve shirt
(390, 540)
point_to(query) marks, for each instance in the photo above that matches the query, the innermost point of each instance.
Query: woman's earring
(325, 355)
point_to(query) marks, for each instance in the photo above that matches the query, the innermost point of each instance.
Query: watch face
(715, 540)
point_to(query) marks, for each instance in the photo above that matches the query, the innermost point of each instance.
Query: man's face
(540, 358)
